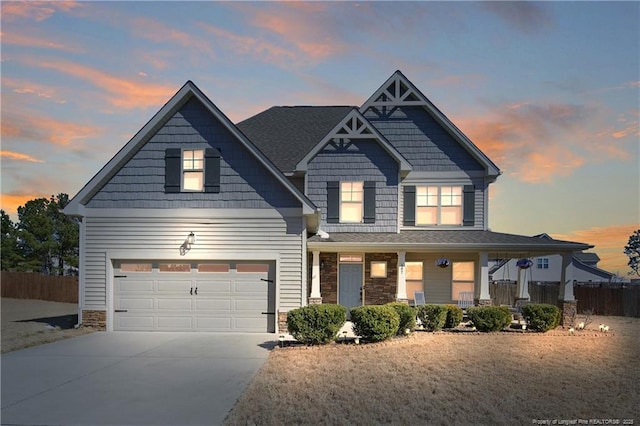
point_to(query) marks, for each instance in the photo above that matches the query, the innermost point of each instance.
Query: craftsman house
(198, 223)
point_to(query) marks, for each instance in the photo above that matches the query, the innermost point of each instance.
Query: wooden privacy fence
(601, 299)
(30, 285)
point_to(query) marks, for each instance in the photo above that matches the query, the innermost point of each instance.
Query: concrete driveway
(131, 378)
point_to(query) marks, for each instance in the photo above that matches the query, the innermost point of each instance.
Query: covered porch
(355, 269)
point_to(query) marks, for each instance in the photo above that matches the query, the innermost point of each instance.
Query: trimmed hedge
(375, 323)
(316, 324)
(541, 316)
(432, 317)
(407, 316)
(454, 316)
(489, 318)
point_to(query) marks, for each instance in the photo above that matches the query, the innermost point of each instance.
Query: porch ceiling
(497, 244)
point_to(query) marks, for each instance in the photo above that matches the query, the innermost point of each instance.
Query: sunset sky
(549, 91)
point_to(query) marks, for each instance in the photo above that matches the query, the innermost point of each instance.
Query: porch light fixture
(524, 263)
(443, 262)
(188, 242)
(281, 339)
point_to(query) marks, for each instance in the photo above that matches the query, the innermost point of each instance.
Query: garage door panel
(213, 287)
(134, 322)
(251, 286)
(174, 286)
(175, 304)
(134, 286)
(145, 304)
(213, 305)
(214, 323)
(250, 305)
(175, 322)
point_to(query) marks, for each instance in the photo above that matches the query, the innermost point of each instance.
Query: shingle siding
(361, 160)
(245, 183)
(421, 140)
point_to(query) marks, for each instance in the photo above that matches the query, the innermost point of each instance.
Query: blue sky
(550, 90)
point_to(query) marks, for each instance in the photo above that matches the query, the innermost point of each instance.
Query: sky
(550, 91)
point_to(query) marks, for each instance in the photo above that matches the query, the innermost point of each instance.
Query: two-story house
(201, 224)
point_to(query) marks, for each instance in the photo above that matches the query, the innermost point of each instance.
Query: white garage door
(195, 296)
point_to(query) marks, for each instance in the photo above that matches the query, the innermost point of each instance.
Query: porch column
(566, 299)
(522, 289)
(484, 298)
(401, 293)
(316, 297)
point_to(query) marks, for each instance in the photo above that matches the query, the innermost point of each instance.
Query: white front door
(194, 296)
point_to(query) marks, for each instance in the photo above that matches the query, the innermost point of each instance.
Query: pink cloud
(46, 129)
(120, 93)
(19, 156)
(160, 32)
(609, 242)
(35, 10)
(31, 41)
(23, 87)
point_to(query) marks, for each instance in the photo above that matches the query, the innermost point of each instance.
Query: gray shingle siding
(362, 160)
(421, 140)
(245, 183)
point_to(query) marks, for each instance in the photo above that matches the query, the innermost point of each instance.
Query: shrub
(407, 316)
(375, 323)
(541, 317)
(432, 317)
(454, 316)
(316, 324)
(489, 318)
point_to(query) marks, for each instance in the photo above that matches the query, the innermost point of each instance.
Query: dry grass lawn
(452, 378)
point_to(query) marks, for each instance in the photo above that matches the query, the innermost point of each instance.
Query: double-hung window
(542, 263)
(351, 202)
(439, 205)
(193, 170)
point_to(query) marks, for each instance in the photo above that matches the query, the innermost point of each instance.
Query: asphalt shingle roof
(450, 239)
(285, 134)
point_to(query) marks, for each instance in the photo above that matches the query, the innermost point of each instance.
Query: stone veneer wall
(282, 322)
(96, 319)
(329, 277)
(378, 291)
(569, 309)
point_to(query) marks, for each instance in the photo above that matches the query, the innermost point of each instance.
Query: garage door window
(208, 267)
(135, 267)
(252, 267)
(174, 267)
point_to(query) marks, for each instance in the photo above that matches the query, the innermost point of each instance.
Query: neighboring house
(549, 269)
(200, 224)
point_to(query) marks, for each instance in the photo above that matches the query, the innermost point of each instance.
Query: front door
(350, 285)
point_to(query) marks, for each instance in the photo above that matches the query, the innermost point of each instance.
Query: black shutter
(369, 202)
(333, 202)
(212, 170)
(468, 205)
(409, 206)
(172, 170)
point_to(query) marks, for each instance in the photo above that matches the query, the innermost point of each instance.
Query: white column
(484, 276)
(522, 292)
(566, 280)
(315, 275)
(401, 293)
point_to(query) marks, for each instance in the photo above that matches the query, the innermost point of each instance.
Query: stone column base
(405, 301)
(483, 302)
(282, 323)
(315, 300)
(95, 319)
(569, 310)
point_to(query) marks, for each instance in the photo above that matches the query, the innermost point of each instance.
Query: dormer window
(193, 170)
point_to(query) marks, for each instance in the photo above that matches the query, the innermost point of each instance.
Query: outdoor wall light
(186, 245)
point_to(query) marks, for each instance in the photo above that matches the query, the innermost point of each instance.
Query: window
(413, 274)
(213, 267)
(174, 267)
(378, 269)
(351, 258)
(463, 276)
(251, 267)
(351, 197)
(439, 205)
(193, 170)
(542, 263)
(135, 267)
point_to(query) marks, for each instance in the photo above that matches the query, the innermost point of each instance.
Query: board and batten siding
(422, 140)
(358, 160)
(263, 237)
(244, 181)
